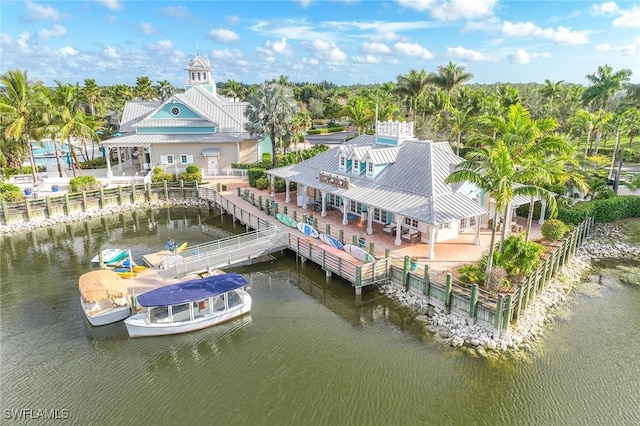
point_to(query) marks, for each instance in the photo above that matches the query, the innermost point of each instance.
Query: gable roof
(136, 111)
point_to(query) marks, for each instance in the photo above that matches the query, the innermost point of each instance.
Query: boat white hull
(106, 316)
(139, 326)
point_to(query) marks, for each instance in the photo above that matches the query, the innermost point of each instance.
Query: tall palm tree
(411, 87)
(165, 90)
(359, 113)
(144, 88)
(300, 124)
(118, 95)
(19, 103)
(605, 83)
(49, 120)
(448, 78)
(233, 89)
(551, 91)
(270, 112)
(91, 93)
(493, 170)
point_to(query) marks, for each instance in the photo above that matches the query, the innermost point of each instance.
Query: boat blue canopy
(191, 291)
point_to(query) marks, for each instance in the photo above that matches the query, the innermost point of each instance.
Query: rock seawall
(604, 241)
(78, 217)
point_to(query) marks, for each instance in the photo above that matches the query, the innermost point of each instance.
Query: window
(370, 167)
(356, 167)
(169, 159)
(355, 207)
(175, 111)
(468, 222)
(380, 215)
(444, 226)
(411, 222)
(343, 163)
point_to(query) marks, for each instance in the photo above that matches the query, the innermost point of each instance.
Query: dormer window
(356, 167)
(343, 163)
(370, 168)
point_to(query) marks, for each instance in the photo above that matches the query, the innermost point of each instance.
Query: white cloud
(234, 58)
(57, 31)
(366, 59)
(111, 52)
(326, 51)
(376, 48)
(23, 40)
(37, 12)
(281, 47)
(604, 47)
(179, 12)
(304, 3)
(608, 8)
(628, 18)
(224, 36)
(111, 4)
(412, 49)
(520, 56)
(560, 35)
(419, 5)
(232, 19)
(266, 55)
(631, 49)
(466, 54)
(454, 10)
(148, 29)
(67, 51)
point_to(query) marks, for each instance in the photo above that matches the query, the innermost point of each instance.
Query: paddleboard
(307, 229)
(286, 220)
(181, 247)
(110, 256)
(331, 241)
(360, 254)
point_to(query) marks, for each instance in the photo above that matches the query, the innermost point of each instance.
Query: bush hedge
(554, 229)
(254, 174)
(10, 193)
(83, 183)
(160, 176)
(602, 211)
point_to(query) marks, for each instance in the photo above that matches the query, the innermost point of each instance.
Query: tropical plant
(448, 78)
(554, 229)
(519, 256)
(144, 88)
(20, 107)
(83, 183)
(410, 87)
(605, 83)
(270, 112)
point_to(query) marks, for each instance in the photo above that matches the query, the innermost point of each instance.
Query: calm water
(307, 355)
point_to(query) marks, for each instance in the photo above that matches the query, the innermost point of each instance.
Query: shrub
(262, 183)
(471, 274)
(96, 163)
(10, 193)
(192, 174)
(267, 158)
(554, 229)
(520, 257)
(160, 176)
(83, 183)
(255, 174)
(192, 169)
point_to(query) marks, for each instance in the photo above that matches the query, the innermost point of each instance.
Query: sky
(340, 41)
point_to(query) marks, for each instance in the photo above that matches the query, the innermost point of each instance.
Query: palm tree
(144, 88)
(233, 89)
(300, 124)
(359, 113)
(91, 93)
(493, 170)
(448, 78)
(19, 102)
(411, 87)
(165, 90)
(49, 120)
(551, 91)
(604, 85)
(118, 95)
(270, 112)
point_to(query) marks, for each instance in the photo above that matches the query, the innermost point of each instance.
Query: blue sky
(340, 41)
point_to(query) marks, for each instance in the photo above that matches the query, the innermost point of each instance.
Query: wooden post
(372, 248)
(426, 288)
(239, 191)
(354, 240)
(498, 319)
(473, 301)
(387, 253)
(260, 202)
(67, 203)
(182, 189)
(253, 199)
(327, 229)
(527, 290)
(341, 236)
(295, 215)
(84, 201)
(101, 197)
(519, 302)
(507, 317)
(27, 206)
(285, 209)
(120, 196)
(304, 218)
(5, 211)
(166, 189)
(447, 292)
(405, 273)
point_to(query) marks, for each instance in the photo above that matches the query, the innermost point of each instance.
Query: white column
(432, 241)
(272, 180)
(119, 158)
(399, 222)
(476, 240)
(287, 198)
(345, 203)
(543, 211)
(304, 197)
(109, 172)
(323, 197)
(369, 221)
(237, 152)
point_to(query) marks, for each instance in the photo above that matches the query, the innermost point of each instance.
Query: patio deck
(448, 255)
